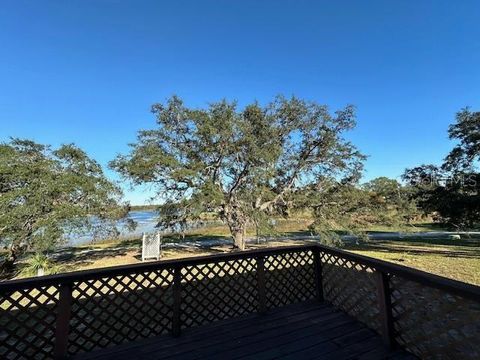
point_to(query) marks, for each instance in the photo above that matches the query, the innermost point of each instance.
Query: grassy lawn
(456, 259)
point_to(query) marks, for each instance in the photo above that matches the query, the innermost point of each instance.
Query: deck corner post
(385, 308)
(317, 262)
(177, 298)
(262, 296)
(62, 324)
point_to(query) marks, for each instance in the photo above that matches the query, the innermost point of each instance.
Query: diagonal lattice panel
(351, 287)
(289, 278)
(121, 308)
(27, 323)
(434, 324)
(218, 290)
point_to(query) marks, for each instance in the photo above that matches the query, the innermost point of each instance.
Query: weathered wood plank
(63, 321)
(385, 308)
(250, 343)
(275, 318)
(291, 332)
(177, 299)
(318, 275)
(262, 297)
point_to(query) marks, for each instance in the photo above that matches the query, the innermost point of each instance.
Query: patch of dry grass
(455, 259)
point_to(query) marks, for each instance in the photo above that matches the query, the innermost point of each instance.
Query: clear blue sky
(88, 71)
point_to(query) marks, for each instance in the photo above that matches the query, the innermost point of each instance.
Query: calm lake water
(146, 221)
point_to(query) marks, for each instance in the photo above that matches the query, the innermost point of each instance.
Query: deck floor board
(302, 331)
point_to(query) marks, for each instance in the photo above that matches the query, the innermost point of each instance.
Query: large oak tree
(452, 191)
(46, 193)
(239, 163)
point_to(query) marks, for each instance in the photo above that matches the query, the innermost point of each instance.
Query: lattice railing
(433, 323)
(351, 286)
(27, 322)
(289, 278)
(112, 310)
(63, 315)
(218, 290)
(427, 315)
(60, 315)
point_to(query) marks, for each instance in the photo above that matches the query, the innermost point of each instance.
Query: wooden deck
(302, 331)
(142, 306)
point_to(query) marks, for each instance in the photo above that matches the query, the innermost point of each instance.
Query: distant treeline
(144, 207)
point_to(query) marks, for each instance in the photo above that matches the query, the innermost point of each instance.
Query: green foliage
(45, 193)
(451, 196)
(399, 208)
(39, 264)
(389, 189)
(328, 236)
(239, 163)
(343, 207)
(340, 208)
(263, 223)
(466, 130)
(451, 192)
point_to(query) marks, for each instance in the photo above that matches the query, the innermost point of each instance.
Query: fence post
(317, 262)
(62, 326)
(177, 298)
(262, 296)
(385, 308)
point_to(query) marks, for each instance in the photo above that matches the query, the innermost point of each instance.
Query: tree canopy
(240, 163)
(352, 208)
(45, 193)
(466, 153)
(451, 191)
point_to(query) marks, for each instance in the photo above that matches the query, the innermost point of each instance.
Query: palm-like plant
(38, 265)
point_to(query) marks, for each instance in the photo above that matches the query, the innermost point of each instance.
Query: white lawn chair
(151, 246)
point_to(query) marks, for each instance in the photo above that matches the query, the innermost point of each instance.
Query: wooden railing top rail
(453, 286)
(12, 285)
(440, 282)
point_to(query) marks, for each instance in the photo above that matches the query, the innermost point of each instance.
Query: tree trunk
(239, 239)
(237, 223)
(8, 264)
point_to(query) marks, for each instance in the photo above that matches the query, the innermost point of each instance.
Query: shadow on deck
(301, 331)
